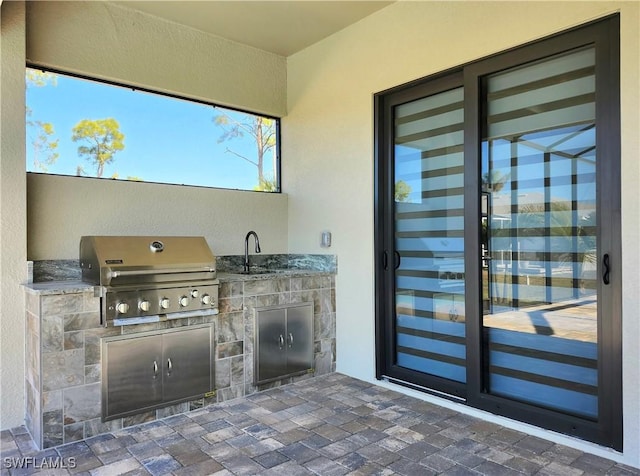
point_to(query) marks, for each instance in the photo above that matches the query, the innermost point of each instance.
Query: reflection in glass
(539, 234)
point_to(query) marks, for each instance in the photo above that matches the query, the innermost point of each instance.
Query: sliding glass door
(429, 244)
(497, 235)
(540, 323)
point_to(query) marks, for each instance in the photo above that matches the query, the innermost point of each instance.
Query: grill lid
(125, 260)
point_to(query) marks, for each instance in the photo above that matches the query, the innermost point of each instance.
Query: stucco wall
(62, 209)
(12, 214)
(328, 145)
(110, 41)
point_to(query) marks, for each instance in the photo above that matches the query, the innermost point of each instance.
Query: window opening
(87, 128)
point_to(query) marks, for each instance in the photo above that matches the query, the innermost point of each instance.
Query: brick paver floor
(329, 425)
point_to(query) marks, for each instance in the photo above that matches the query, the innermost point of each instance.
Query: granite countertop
(76, 286)
(64, 276)
(58, 287)
(263, 274)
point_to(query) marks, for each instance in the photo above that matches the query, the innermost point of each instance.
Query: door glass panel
(539, 243)
(429, 216)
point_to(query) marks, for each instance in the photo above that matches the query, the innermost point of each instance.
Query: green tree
(494, 182)
(41, 134)
(104, 139)
(267, 185)
(34, 77)
(44, 145)
(402, 191)
(132, 178)
(263, 132)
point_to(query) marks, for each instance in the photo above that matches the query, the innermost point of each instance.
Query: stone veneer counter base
(63, 347)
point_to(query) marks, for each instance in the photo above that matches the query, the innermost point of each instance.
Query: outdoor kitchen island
(64, 337)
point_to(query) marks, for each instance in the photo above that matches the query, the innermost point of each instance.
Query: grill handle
(146, 272)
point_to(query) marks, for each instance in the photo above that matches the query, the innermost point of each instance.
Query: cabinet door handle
(169, 366)
(280, 341)
(606, 270)
(290, 339)
(155, 369)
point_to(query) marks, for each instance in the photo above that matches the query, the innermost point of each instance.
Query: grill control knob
(164, 303)
(195, 293)
(206, 299)
(122, 307)
(144, 305)
(184, 301)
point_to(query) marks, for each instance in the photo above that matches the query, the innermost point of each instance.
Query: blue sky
(166, 140)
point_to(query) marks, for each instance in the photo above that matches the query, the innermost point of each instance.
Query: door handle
(290, 339)
(385, 259)
(280, 341)
(169, 366)
(155, 369)
(605, 269)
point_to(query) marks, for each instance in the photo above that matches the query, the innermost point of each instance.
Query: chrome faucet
(246, 249)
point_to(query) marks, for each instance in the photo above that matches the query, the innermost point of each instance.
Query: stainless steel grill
(148, 278)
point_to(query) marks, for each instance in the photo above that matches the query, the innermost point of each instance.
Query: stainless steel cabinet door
(270, 344)
(283, 341)
(133, 376)
(299, 338)
(186, 363)
(153, 369)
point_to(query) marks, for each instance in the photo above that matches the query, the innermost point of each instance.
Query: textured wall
(110, 41)
(12, 214)
(62, 209)
(328, 142)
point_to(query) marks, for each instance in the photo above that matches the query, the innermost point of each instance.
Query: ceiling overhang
(280, 27)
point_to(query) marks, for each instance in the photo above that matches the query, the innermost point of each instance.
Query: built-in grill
(149, 279)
